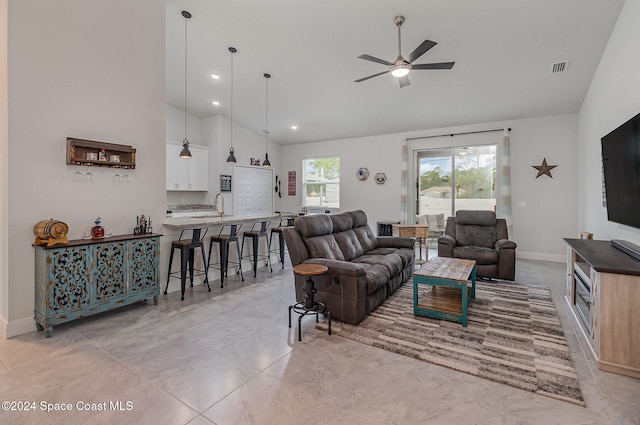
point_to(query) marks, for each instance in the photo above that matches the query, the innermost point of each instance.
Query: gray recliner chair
(480, 236)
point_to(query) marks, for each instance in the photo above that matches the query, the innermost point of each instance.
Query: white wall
(612, 100)
(71, 74)
(4, 172)
(550, 212)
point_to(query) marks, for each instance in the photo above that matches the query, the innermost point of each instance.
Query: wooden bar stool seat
(187, 247)
(224, 240)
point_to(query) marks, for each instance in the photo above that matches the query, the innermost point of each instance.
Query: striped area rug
(514, 336)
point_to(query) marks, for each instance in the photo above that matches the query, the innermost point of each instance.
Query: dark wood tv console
(603, 293)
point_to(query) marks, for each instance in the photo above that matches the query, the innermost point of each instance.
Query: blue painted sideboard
(86, 277)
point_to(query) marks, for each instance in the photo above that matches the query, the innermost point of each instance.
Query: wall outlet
(522, 204)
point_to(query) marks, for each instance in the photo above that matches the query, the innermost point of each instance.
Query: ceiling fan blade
(404, 81)
(370, 76)
(374, 59)
(440, 65)
(421, 50)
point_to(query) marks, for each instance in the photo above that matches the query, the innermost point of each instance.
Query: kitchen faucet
(215, 204)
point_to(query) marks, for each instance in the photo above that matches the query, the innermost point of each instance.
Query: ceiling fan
(400, 67)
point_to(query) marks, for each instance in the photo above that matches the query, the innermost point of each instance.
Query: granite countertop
(214, 219)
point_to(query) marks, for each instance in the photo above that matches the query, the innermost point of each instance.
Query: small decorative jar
(97, 231)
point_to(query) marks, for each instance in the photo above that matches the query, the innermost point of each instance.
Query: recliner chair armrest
(395, 242)
(446, 243)
(505, 244)
(446, 240)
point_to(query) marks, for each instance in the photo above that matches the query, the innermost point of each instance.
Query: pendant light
(231, 159)
(266, 162)
(185, 152)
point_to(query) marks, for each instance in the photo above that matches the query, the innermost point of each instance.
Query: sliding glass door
(456, 178)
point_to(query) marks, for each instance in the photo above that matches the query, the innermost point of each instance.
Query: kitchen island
(203, 219)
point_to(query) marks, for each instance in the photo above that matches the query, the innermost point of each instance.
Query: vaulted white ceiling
(503, 52)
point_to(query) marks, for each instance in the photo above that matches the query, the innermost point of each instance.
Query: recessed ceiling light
(215, 76)
(294, 127)
(216, 103)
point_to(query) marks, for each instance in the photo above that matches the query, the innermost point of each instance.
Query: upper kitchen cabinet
(186, 174)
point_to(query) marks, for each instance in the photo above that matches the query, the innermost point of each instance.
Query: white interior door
(252, 191)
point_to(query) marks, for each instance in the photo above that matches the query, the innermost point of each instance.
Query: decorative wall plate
(380, 178)
(362, 173)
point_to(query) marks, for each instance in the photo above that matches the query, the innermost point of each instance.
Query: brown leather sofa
(479, 235)
(363, 269)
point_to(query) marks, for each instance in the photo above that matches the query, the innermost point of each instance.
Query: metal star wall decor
(544, 168)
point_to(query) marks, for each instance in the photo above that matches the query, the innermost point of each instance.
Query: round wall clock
(380, 178)
(362, 173)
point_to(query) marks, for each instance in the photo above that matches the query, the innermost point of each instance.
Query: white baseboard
(557, 258)
(17, 327)
(3, 328)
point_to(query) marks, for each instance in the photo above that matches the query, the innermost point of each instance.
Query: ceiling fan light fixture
(400, 70)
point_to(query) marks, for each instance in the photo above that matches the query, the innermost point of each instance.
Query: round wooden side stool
(310, 305)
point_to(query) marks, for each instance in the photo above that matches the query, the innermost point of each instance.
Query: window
(471, 185)
(321, 183)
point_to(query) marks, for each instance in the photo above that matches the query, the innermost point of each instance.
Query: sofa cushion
(366, 237)
(315, 225)
(407, 255)
(377, 277)
(393, 262)
(359, 218)
(470, 235)
(481, 254)
(324, 246)
(349, 244)
(476, 217)
(341, 222)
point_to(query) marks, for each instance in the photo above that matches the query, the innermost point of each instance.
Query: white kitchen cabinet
(186, 174)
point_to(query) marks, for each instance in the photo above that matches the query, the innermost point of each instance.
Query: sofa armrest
(395, 242)
(505, 244)
(446, 243)
(343, 289)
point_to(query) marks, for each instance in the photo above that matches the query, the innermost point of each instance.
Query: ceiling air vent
(559, 67)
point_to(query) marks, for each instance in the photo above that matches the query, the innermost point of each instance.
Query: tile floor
(228, 357)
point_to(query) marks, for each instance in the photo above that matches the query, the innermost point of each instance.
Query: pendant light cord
(266, 112)
(232, 52)
(185, 78)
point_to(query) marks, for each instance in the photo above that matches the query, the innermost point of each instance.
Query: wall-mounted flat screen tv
(621, 166)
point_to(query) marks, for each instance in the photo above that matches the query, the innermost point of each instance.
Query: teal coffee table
(450, 292)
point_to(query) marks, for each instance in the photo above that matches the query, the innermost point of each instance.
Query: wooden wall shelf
(88, 152)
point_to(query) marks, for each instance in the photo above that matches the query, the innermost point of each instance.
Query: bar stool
(278, 230)
(310, 305)
(224, 240)
(187, 248)
(255, 236)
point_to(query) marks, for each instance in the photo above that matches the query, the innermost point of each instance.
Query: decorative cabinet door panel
(86, 278)
(253, 191)
(143, 261)
(68, 280)
(262, 182)
(243, 205)
(110, 271)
